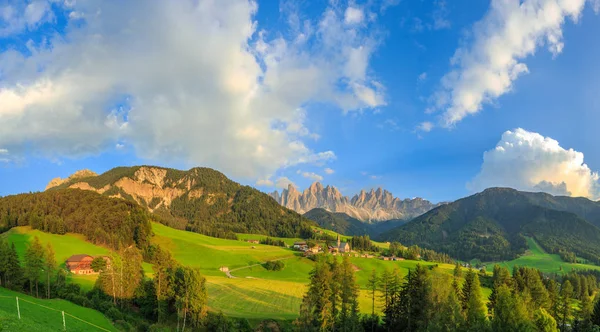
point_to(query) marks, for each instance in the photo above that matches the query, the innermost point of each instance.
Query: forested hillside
(491, 226)
(111, 222)
(200, 200)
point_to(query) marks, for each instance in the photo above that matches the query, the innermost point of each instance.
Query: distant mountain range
(201, 200)
(492, 225)
(373, 206)
(344, 224)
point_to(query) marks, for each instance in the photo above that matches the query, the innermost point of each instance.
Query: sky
(434, 99)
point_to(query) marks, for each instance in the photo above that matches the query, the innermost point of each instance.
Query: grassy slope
(36, 318)
(64, 246)
(536, 257)
(255, 292)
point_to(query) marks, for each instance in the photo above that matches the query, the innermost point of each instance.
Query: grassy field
(536, 257)
(49, 317)
(286, 240)
(64, 246)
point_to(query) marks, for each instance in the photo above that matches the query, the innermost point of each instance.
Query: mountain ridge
(202, 200)
(492, 225)
(373, 206)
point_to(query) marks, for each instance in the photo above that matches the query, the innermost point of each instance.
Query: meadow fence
(55, 320)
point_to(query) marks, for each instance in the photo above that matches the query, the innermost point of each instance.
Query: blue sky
(407, 95)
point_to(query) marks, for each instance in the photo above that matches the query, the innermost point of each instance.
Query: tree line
(427, 300)
(110, 222)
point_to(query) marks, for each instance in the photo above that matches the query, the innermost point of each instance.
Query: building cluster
(82, 264)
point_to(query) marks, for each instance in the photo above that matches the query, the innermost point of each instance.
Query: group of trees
(414, 252)
(272, 242)
(331, 302)
(525, 300)
(110, 222)
(363, 242)
(39, 265)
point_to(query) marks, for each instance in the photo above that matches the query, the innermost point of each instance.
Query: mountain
(344, 224)
(492, 225)
(338, 222)
(200, 200)
(375, 205)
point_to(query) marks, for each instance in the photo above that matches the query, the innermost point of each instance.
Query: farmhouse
(82, 264)
(300, 245)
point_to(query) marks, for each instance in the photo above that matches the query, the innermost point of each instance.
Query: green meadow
(536, 257)
(49, 317)
(64, 246)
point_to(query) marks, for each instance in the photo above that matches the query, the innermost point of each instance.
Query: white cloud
(440, 15)
(310, 175)
(353, 15)
(488, 65)
(375, 177)
(264, 182)
(283, 183)
(18, 16)
(329, 171)
(596, 6)
(203, 87)
(529, 161)
(425, 126)
(422, 77)
(3, 151)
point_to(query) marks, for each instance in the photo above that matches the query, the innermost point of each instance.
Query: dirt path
(229, 275)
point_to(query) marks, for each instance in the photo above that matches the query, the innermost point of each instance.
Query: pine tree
(448, 318)
(544, 322)
(191, 297)
(316, 307)
(457, 271)
(372, 286)
(34, 264)
(554, 297)
(348, 316)
(476, 310)
(564, 305)
(384, 281)
(416, 301)
(4, 253)
(501, 277)
(49, 266)
(595, 317)
(467, 289)
(14, 274)
(509, 312)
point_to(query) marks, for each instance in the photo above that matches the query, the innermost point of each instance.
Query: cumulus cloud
(310, 175)
(422, 76)
(353, 15)
(329, 171)
(264, 182)
(529, 161)
(203, 87)
(488, 64)
(283, 183)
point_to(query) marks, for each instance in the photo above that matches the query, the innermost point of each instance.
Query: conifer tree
(14, 274)
(415, 302)
(34, 264)
(49, 266)
(595, 317)
(544, 322)
(554, 297)
(476, 310)
(348, 314)
(457, 271)
(509, 313)
(191, 295)
(316, 307)
(448, 318)
(564, 305)
(372, 286)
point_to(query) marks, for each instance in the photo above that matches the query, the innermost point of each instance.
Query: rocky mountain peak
(374, 205)
(83, 173)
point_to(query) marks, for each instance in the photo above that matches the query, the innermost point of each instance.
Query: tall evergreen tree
(415, 302)
(544, 322)
(500, 277)
(509, 313)
(348, 316)
(448, 317)
(554, 297)
(476, 310)
(565, 304)
(34, 264)
(316, 307)
(49, 266)
(14, 274)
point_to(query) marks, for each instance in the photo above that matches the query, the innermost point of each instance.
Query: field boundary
(17, 300)
(229, 275)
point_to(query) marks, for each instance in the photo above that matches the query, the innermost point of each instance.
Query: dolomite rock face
(375, 205)
(84, 173)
